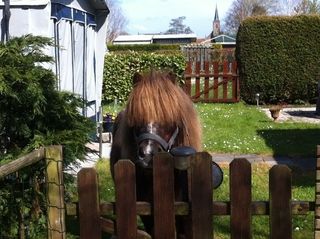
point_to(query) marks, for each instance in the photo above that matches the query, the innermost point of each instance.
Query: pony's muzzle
(146, 150)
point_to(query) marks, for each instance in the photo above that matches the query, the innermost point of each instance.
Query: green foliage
(22, 203)
(34, 114)
(145, 47)
(279, 58)
(120, 68)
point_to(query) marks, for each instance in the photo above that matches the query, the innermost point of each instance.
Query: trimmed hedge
(279, 58)
(120, 68)
(145, 47)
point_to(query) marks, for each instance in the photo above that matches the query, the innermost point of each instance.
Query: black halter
(166, 146)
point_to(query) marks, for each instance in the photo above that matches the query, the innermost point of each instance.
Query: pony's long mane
(156, 98)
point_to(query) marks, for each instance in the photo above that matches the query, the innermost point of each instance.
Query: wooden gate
(211, 74)
(199, 209)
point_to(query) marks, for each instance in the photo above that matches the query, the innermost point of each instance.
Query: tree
(258, 10)
(241, 9)
(307, 7)
(287, 6)
(116, 21)
(33, 112)
(176, 26)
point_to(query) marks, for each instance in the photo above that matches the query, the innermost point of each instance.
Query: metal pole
(6, 18)
(100, 131)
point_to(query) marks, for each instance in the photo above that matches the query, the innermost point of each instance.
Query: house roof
(224, 39)
(221, 39)
(129, 38)
(174, 36)
(149, 38)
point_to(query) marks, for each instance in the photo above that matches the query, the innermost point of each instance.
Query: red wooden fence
(211, 75)
(199, 208)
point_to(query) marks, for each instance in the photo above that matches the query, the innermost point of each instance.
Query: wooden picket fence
(200, 207)
(211, 75)
(55, 206)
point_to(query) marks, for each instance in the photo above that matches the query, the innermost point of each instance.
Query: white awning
(26, 2)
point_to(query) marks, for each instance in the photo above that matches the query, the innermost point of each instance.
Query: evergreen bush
(33, 114)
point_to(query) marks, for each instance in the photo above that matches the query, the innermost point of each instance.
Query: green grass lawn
(238, 128)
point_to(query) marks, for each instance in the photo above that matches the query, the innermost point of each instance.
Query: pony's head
(161, 115)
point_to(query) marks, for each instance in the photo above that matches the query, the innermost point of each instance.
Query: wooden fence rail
(54, 185)
(199, 208)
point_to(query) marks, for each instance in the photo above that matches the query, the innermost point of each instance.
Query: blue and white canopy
(78, 28)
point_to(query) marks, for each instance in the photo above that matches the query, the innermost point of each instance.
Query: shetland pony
(158, 116)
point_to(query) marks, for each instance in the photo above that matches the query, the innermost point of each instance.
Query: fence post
(126, 212)
(317, 199)
(280, 202)
(89, 204)
(201, 196)
(163, 196)
(55, 193)
(240, 199)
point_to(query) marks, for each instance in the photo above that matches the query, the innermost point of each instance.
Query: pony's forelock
(155, 98)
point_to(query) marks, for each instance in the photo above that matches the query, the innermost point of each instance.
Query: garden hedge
(120, 68)
(279, 58)
(144, 47)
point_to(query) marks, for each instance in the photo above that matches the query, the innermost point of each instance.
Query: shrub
(120, 68)
(279, 58)
(33, 114)
(144, 47)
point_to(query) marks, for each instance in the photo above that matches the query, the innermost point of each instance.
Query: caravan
(78, 28)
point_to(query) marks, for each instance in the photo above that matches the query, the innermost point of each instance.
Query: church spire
(216, 14)
(216, 23)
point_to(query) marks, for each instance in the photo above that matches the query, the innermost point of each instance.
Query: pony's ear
(172, 77)
(137, 77)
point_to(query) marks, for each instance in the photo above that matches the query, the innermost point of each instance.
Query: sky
(154, 16)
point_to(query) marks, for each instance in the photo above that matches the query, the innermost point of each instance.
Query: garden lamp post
(318, 101)
(257, 99)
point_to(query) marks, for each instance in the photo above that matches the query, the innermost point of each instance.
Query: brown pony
(158, 116)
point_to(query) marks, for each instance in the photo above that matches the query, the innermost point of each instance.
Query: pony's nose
(143, 152)
(146, 151)
(145, 158)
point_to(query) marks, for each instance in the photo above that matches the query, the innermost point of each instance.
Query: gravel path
(306, 114)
